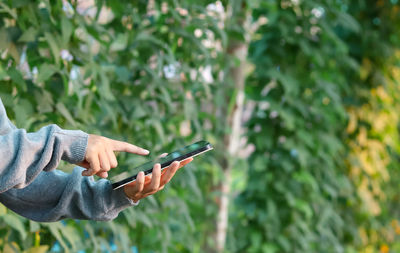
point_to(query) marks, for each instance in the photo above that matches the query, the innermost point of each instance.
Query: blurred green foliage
(321, 91)
(324, 128)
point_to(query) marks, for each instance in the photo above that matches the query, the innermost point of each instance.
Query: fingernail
(146, 151)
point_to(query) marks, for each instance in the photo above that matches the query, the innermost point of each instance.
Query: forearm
(24, 155)
(56, 195)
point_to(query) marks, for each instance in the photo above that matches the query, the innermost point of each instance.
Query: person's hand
(100, 157)
(144, 186)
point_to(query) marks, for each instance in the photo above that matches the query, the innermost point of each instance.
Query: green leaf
(3, 74)
(22, 111)
(50, 38)
(348, 22)
(38, 249)
(64, 111)
(119, 43)
(16, 223)
(55, 229)
(17, 78)
(104, 87)
(33, 226)
(4, 42)
(45, 72)
(3, 210)
(7, 9)
(28, 35)
(44, 100)
(67, 30)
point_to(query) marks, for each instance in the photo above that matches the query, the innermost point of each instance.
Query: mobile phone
(179, 155)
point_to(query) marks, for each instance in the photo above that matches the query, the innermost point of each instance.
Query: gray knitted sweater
(31, 186)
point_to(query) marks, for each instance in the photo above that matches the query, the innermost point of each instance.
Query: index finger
(185, 162)
(127, 147)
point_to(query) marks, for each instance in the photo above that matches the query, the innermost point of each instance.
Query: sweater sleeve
(24, 155)
(55, 195)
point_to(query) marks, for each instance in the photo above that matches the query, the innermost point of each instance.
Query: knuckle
(140, 185)
(106, 167)
(105, 141)
(89, 155)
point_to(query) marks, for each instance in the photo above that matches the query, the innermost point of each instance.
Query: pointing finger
(127, 147)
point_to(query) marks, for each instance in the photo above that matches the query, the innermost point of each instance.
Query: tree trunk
(232, 142)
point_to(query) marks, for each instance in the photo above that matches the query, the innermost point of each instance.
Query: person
(31, 186)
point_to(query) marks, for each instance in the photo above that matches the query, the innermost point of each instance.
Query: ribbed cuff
(121, 198)
(74, 144)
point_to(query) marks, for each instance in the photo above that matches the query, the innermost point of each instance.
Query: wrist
(75, 143)
(126, 192)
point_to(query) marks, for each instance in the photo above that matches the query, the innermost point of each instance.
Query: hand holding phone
(144, 186)
(179, 155)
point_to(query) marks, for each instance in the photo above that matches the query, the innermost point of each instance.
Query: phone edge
(209, 147)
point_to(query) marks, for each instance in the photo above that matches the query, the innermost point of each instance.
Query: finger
(170, 172)
(147, 179)
(132, 184)
(134, 189)
(102, 174)
(127, 147)
(138, 188)
(112, 159)
(94, 166)
(155, 180)
(185, 162)
(163, 155)
(84, 164)
(104, 162)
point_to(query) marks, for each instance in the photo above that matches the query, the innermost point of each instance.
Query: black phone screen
(178, 155)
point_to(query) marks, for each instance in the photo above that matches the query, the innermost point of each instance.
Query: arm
(24, 155)
(55, 195)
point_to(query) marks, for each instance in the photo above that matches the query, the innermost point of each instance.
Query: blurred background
(300, 99)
